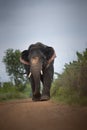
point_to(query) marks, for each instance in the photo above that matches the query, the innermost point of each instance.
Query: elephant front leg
(47, 80)
(35, 94)
(46, 90)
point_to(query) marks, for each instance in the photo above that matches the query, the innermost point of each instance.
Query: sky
(61, 24)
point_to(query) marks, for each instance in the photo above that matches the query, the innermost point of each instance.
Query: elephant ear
(24, 55)
(49, 52)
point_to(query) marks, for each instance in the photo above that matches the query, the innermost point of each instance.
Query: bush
(12, 92)
(71, 85)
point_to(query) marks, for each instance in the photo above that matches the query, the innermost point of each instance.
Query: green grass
(71, 101)
(68, 96)
(11, 93)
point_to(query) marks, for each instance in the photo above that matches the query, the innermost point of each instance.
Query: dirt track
(28, 115)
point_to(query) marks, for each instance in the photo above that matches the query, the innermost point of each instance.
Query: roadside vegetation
(11, 92)
(71, 86)
(19, 86)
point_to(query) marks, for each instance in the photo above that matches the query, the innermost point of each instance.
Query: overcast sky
(61, 24)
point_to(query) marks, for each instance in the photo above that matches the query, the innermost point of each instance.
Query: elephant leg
(32, 84)
(35, 97)
(47, 80)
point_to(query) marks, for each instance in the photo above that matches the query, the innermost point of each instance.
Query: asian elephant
(38, 61)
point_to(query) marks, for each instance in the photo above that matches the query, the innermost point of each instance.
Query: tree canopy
(13, 66)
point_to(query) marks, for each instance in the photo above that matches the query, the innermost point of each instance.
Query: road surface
(46, 115)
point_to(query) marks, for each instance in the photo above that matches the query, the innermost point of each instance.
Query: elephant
(38, 60)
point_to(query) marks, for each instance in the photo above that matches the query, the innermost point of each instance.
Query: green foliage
(11, 59)
(13, 66)
(71, 85)
(9, 92)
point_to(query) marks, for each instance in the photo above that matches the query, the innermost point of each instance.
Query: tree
(13, 66)
(82, 61)
(74, 76)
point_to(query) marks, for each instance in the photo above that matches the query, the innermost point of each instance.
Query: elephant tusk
(41, 72)
(29, 75)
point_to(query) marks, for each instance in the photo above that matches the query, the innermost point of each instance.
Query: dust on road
(29, 115)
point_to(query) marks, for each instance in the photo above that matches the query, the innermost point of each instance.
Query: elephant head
(38, 57)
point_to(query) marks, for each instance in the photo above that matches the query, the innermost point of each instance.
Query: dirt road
(28, 115)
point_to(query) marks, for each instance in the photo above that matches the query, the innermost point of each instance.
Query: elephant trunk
(36, 71)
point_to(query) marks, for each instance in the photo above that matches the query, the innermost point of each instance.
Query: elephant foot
(45, 98)
(36, 97)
